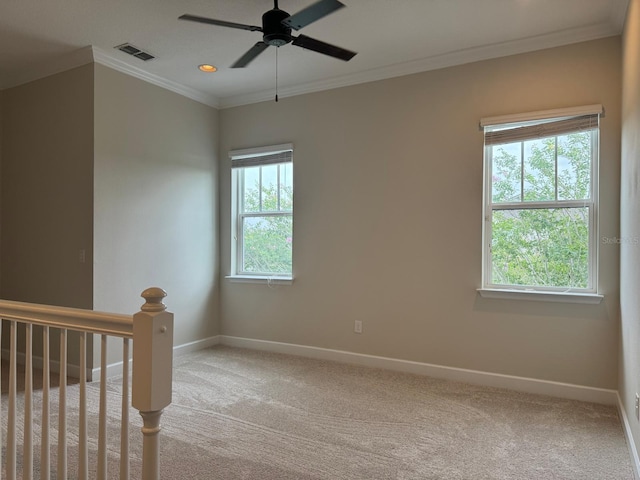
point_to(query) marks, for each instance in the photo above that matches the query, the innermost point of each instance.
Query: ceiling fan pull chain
(277, 48)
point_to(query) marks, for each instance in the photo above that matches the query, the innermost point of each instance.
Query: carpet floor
(243, 414)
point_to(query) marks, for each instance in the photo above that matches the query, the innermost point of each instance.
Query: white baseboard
(114, 369)
(54, 365)
(522, 384)
(195, 346)
(633, 451)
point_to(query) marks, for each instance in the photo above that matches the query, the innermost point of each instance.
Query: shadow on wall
(536, 308)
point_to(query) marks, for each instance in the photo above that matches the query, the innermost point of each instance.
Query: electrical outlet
(637, 406)
(357, 326)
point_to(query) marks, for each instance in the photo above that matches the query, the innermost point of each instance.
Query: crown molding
(59, 64)
(103, 58)
(459, 57)
(85, 55)
(90, 54)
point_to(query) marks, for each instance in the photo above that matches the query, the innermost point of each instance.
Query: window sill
(563, 297)
(273, 280)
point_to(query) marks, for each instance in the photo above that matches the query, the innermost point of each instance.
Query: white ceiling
(392, 37)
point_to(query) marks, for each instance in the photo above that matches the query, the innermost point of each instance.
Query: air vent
(134, 51)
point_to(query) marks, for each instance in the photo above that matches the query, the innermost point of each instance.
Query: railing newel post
(152, 373)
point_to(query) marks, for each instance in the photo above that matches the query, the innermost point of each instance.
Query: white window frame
(260, 156)
(534, 292)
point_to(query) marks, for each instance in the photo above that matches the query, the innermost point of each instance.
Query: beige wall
(629, 382)
(388, 211)
(155, 202)
(47, 190)
(46, 193)
(146, 189)
(387, 229)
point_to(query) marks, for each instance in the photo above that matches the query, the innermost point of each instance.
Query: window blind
(261, 158)
(553, 127)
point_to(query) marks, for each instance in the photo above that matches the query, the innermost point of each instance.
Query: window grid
(589, 203)
(264, 210)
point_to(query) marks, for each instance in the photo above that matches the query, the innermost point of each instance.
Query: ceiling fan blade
(312, 13)
(322, 47)
(221, 23)
(252, 53)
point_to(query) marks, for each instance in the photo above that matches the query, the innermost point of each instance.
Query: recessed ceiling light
(207, 68)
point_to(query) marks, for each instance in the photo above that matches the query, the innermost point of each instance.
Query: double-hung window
(262, 212)
(541, 201)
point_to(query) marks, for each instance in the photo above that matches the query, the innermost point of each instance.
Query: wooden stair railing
(151, 330)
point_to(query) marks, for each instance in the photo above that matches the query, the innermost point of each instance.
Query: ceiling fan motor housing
(275, 32)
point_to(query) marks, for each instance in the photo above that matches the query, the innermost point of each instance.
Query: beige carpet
(241, 414)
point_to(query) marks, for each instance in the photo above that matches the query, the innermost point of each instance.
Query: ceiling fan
(276, 29)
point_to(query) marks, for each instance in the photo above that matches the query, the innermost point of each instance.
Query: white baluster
(124, 426)
(45, 457)
(11, 420)
(150, 445)
(62, 406)
(27, 447)
(155, 331)
(152, 373)
(83, 452)
(102, 422)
